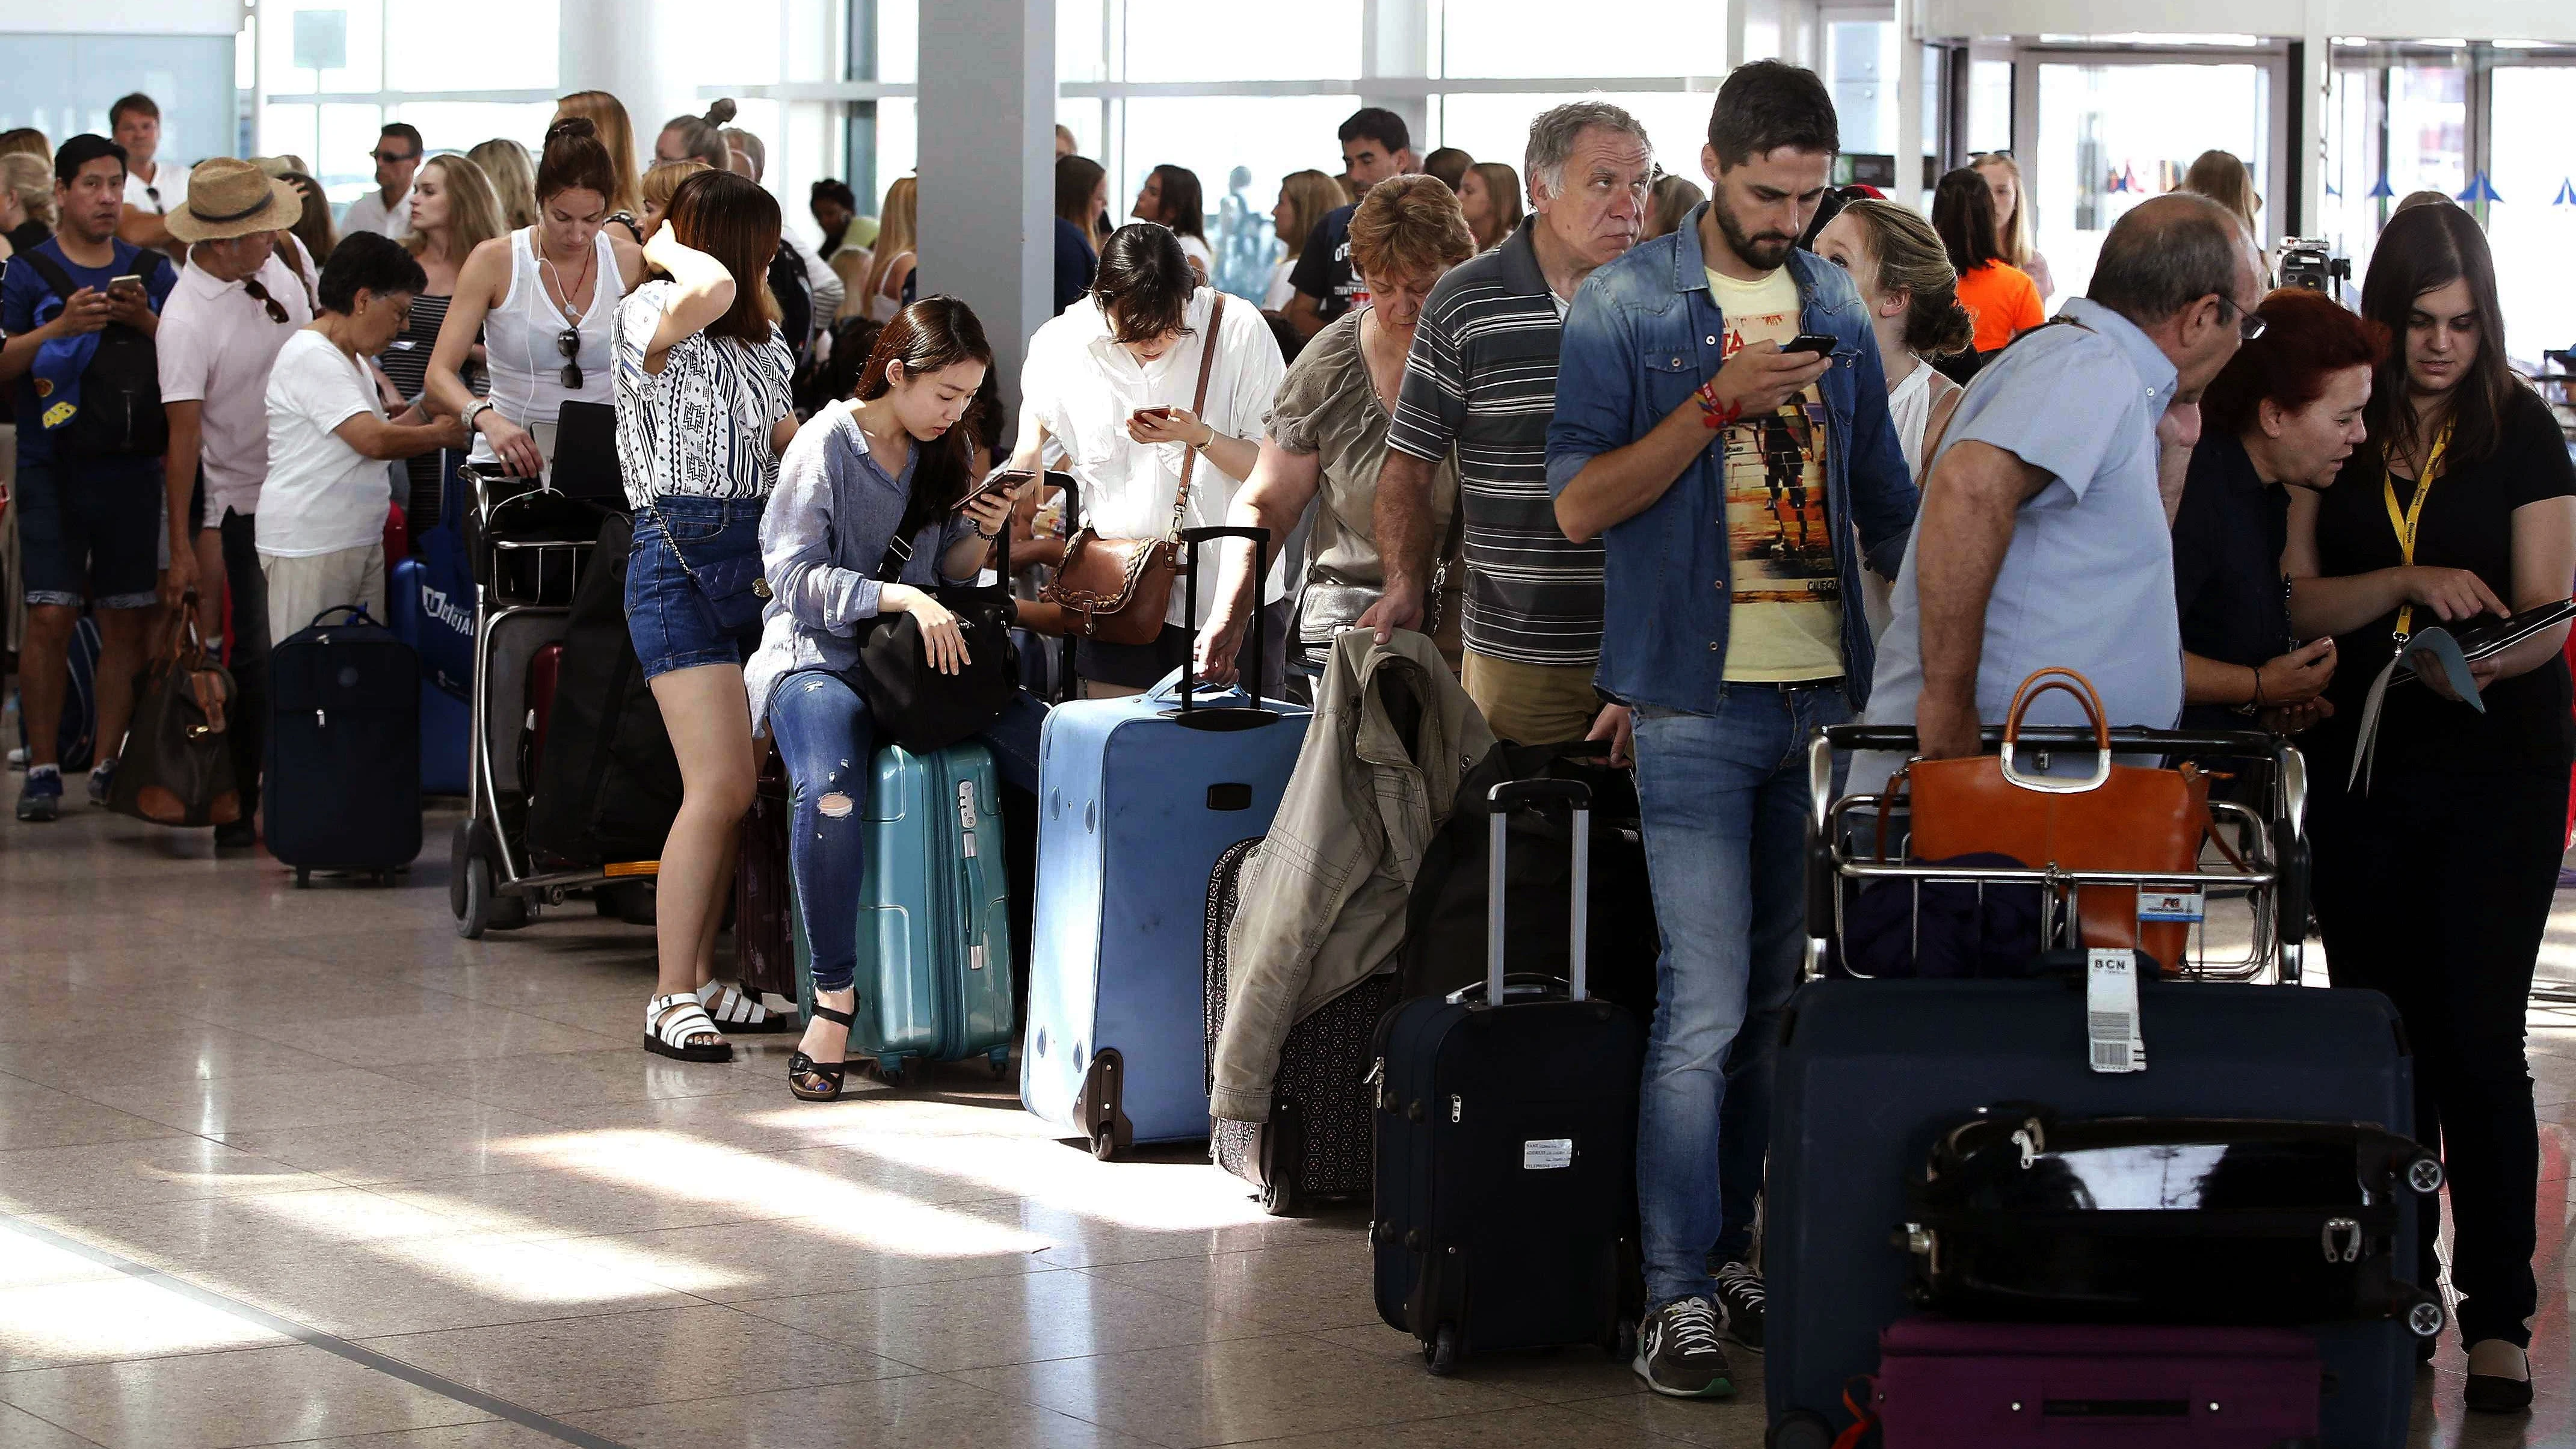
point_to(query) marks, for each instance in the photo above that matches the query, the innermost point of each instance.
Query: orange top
(2003, 300)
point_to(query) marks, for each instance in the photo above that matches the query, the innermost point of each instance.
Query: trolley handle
(2128, 739)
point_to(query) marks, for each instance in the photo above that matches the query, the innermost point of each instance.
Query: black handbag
(912, 703)
(2017, 1214)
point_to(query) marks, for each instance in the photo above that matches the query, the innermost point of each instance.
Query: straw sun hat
(229, 198)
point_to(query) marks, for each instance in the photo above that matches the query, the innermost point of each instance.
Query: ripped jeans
(827, 740)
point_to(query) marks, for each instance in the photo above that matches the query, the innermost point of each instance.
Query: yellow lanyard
(2406, 520)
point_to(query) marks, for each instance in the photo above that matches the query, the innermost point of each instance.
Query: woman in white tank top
(543, 302)
(1904, 278)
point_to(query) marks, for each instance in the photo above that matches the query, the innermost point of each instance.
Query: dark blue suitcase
(1137, 799)
(446, 720)
(1870, 1071)
(343, 775)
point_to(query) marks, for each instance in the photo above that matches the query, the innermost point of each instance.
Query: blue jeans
(827, 740)
(667, 615)
(1723, 798)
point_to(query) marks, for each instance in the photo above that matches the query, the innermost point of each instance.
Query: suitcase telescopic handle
(1191, 541)
(1503, 800)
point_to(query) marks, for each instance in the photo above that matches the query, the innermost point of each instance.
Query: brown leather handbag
(1117, 590)
(2120, 818)
(177, 764)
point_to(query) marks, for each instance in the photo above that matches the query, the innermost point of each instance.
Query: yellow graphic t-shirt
(1786, 623)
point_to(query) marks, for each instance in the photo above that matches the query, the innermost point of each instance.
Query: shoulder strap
(146, 263)
(898, 556)
(53, 273)
(1198, 408)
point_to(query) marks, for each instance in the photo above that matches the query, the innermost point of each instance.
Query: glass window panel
(1081, 47)
(1088, 120)
(898, 147)
(1496, 127)
(1531, 38)
(1240, 146)
(2354, 163)
(337, 156)
(1189, 40)
(464, 125)
(363, 71)
(2532, 230)
(899, 48)
(2428, 118)
(1990, 105)
(2113, 135)
(806, 151)
(813, 42)
(471, 45)
(762, 118)
(1860, 65)
(741, 51)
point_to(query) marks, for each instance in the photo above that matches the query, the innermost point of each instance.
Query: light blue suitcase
(1136, 800)
(934, 971)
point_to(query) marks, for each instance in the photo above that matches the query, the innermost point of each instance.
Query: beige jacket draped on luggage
(1321, 904)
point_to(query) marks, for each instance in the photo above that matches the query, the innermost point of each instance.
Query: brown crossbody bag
(1117, 590)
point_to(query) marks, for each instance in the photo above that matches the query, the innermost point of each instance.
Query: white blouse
(700, 427)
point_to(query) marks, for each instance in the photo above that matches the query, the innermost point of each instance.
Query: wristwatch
(476, 409)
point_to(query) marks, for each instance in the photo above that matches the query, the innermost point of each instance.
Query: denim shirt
(821, 541)
(1644, 333)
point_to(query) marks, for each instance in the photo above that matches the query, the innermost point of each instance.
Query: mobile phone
(126, 287)
(1002, 482)
(1820, 343)
(1159, 414)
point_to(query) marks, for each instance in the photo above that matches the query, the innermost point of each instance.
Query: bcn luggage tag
(2111, 1032)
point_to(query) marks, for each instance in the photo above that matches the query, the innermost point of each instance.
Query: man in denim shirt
(1738, 488)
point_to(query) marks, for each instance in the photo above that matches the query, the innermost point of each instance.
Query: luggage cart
(2254, 903)
(523, 588)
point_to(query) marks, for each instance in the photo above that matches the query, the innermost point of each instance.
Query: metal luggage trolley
(523, 589)
(2255, 906)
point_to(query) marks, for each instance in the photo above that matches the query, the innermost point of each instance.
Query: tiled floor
(324, 1105)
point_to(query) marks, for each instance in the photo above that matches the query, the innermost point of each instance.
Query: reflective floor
(352, 1128)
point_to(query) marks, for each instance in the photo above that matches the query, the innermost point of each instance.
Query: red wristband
(1714, 416)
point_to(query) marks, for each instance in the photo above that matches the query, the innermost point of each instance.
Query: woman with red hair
(2284, 414)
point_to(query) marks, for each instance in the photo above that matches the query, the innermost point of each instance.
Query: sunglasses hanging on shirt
(568, 342)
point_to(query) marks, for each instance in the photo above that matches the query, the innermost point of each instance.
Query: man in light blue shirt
(2043, 538)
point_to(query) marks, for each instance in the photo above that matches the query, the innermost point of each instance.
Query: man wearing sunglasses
(2043, 537)
(237, 302)
(386, 210)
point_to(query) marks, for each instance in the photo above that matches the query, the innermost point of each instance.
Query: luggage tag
(2111, 1011)
(2155, 903)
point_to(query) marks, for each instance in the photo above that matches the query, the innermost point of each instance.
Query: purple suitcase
(1948, 1384)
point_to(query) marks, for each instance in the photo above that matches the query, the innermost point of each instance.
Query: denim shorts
(91, 531)
(673, 625)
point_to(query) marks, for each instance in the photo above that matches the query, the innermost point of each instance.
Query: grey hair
(2168, 253)
(1553, 134)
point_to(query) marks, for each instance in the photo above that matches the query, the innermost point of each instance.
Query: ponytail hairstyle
(730, 218)
(702, 137)
(934, 333)
(1911, 258)
(573, 160)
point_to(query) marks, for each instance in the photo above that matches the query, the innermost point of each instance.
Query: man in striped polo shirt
(1481, 379)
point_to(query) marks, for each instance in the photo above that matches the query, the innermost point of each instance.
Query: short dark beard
(1747, 249)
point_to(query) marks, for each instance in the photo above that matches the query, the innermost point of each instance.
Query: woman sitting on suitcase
(703, 412)
(893, 462)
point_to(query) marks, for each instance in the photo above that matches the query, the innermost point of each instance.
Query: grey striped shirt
(1482, 378)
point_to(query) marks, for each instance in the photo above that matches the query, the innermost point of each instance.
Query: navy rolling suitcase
(343, 776)
(1506, 1131)
(1870, 1072)
(1137, 799)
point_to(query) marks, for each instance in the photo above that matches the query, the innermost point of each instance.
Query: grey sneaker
(102, 778)
(41, 798)
(1678, 1353)
(1739, 1301)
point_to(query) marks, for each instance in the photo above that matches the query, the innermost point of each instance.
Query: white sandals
(740, 1012)
(672, 1022)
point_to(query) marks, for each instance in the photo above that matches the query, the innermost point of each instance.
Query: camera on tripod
(2310, 262)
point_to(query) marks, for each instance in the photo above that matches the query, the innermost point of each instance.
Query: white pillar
(630, 49)
(1911, 104)
(2316, 100)
(1395, 40)
(988, 168)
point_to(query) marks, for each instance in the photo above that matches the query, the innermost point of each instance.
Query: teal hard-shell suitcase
(934, 970)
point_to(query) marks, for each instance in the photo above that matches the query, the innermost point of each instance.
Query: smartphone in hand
(1160, 415)
(1820, 343)
(1005, 481)
(127, 288)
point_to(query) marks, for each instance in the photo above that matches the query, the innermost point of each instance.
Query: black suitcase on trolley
(1871, 1072)
(343, 770)
(1506, 1134)
(1316, 1143)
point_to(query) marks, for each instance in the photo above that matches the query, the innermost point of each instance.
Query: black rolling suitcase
(343, 770)
(1316, 1143)
(1871, 1073)
(1506, 1129)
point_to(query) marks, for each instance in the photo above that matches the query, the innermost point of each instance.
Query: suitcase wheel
(1000, 1062)
(1800, 1429)
(1621, 1345)
(303, 878)
(1279, 1199)
(1104, 1142)
(1440, 1353)
(890, 1072)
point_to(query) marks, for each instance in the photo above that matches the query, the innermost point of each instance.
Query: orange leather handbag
(2119, 818)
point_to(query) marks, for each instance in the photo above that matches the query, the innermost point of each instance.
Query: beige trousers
(1532, 704)
(299, 588)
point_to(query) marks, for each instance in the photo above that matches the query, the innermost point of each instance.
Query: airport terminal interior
(306, 1140)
